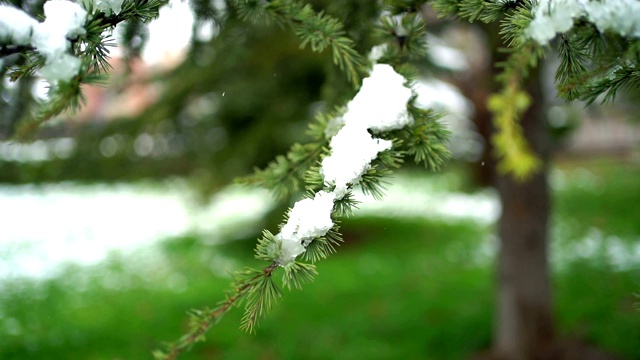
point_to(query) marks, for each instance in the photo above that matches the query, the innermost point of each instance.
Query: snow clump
(15, 25)
(309, 218)
(380, 105)
(63, 20)
(109, 6)
(557, 16)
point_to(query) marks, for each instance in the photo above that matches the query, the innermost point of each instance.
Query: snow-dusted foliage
(557, 16)
(15, 25)
(380, 105)
(108, 6)
(308, 219)
(352, 150)
(64, 20)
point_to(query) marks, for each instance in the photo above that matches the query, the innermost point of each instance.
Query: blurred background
(119, 219)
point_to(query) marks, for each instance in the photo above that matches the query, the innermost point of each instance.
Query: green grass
(603, 194)
(397, 289)
(597, 301)
(371, 300)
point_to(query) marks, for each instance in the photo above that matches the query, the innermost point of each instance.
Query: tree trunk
(524, 327)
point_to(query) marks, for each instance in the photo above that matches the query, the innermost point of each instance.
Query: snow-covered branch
(68, 48)
(380, 105)
(557, 16)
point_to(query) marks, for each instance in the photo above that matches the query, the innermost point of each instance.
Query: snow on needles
(63, 20)
(15, 25)
(557, 16)
(380, 105)
(309, 218)
(352, 150)
(109, 6)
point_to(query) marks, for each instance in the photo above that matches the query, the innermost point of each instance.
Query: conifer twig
(316, 29)
(202, 320)
(11, 50)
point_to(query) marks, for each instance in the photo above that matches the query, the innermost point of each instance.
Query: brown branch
(7, 50)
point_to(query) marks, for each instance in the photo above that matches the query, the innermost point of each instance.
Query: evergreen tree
(597, 44)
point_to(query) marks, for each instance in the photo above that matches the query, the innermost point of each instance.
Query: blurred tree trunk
(524, 326)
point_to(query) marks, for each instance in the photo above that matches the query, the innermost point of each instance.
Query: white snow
(109, 6)
(377, 52)
(620, 16)
(15, 25)
(62, 67)
(333, 126)
(308, 219)
(64, 19)
(557, 16)
(352, 151)
(380, 105)
(44, 227)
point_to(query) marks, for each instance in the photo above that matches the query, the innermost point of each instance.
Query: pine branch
(405, 39)
(572, 70)
(425, 140)
(258, 288)
(297, 170)
(320, 248)
(620, 78)
(92, 48)
(285, 175)
(8, 50)
(402, 7)
(202, 320)
(262, 294)
(511, 148)
(486, 11)
(605, 63)
(66, 96)
(32, 62)
(302, 168)
(344, 208)
(297, 273)
(319, 31)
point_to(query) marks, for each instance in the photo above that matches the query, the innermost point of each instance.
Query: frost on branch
(380, 105)
(556, 16)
